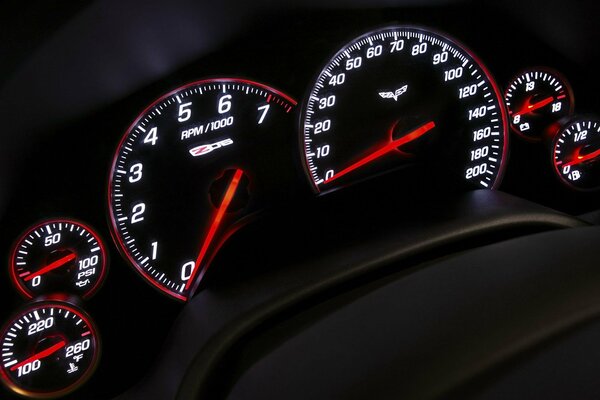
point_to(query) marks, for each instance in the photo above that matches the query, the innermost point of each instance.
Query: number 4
(151, 137)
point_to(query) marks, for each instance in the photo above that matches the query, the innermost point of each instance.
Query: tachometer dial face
(404, 98)
(536, 100)
(48, 350)
(192, 164)
(576, 153)
(58, 256)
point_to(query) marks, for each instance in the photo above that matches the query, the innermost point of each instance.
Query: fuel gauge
(576, 153)
(536, 99)
(58, 256)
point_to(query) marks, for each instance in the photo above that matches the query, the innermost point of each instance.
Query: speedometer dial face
(406, 99)
(190, 167)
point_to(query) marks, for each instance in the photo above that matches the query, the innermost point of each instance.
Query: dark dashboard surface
(74, 77)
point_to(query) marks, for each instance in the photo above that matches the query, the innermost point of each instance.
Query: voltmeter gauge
(537, 99)
(49, 349)
(576, 153)
(58, 256)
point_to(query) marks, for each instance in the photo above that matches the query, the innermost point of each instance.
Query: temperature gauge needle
(417, 133)
(579, 159)
(52, 266)
(535, 106)
(42, 354)
(216, 222)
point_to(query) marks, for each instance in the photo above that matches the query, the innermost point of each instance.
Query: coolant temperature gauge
(576, 153)
(536, 99)
(49, 349)
(58, 256)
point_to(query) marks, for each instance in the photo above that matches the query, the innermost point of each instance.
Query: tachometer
(195, 161)
(404, 98)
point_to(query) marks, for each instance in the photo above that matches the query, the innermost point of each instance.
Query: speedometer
(193, 165)
(409, 100)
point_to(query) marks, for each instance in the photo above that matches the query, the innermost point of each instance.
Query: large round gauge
(576, 153)
(408, 99)
(190, 166)
(48, 350)
(537, 99)
(58, 256)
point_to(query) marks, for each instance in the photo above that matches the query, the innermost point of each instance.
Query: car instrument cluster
(408, 103)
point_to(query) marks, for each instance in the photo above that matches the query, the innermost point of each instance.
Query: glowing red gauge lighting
(50, 267)
(216, 222)
(535, 106)
(42, 354)
(415, 134)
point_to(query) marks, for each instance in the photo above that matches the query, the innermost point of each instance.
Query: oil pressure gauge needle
(42, 354)
(216, 222)
(409, 137)
(50, 267)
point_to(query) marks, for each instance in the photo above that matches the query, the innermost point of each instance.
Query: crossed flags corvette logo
(207, 148)
(394, 95)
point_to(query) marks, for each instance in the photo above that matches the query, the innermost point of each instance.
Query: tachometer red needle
(216, 222)
(384, 150)
(56, 264)
(579, 159)
(42, 354)
(532, 107)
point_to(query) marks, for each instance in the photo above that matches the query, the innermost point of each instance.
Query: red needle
(417, 133)
(56, 264)
(579, 159)
(532, 107)
(216, 222)
(42, 354)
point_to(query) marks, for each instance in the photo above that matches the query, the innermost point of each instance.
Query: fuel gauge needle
(579, 159)
(50, 267)
(42, 354)
(409, 137)
(216, 222)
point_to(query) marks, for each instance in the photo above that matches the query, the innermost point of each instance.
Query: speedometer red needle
(417, 133)
(52, 266)
(216, 222)
(532, 107)
(42, 354)
(579, 159)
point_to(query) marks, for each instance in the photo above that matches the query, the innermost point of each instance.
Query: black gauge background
(435, 167)
(299, 43)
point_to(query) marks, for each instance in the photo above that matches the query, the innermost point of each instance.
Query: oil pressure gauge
(576, 153)
(49, 349)
(536, 99)
(58, 256)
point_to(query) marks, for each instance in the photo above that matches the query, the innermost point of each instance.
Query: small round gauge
(408, 100)
(536, 100)
(193, 165)
(576, 153)
(49, 349)
(58, 256)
